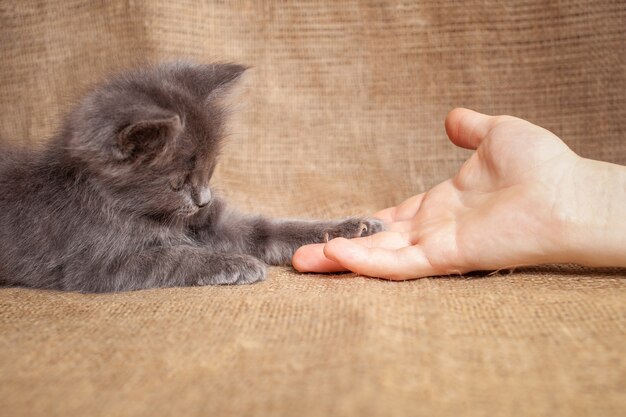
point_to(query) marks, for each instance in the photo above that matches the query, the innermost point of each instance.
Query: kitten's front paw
(354, 227)
(235, 269)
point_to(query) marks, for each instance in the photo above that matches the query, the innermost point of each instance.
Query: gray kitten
(120, 200)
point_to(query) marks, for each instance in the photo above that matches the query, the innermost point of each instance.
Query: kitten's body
(119, 200)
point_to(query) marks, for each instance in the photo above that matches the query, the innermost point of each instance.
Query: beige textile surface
(344, 115)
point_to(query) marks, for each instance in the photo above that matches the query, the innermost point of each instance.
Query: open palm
(502, 209)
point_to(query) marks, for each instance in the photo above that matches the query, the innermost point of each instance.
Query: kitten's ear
(223, 77)
(149, 136)
(208, 80)
(226, 74)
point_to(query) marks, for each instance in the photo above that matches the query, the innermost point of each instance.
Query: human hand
(512, 203)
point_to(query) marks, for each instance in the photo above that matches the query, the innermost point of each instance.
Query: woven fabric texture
(343, 114)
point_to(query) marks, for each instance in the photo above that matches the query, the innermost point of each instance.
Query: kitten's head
(150, 138)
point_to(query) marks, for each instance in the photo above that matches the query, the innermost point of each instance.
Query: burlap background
(344, 115)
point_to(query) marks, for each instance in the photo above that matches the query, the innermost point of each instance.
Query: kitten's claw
(354, 227)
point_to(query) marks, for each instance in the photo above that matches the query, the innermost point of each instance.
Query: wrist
(592, 214)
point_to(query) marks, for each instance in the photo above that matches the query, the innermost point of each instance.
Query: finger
(399, 264)
(310, 258)
(403, 211)
(467, 128)
(386, 240)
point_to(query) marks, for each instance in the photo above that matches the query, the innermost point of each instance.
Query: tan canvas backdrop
(343, 114)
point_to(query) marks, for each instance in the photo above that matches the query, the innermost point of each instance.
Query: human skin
(522, 198)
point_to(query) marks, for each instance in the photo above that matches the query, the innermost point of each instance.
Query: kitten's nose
(201, 196)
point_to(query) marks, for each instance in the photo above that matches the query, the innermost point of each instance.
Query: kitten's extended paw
(234, 269)
(354, 227)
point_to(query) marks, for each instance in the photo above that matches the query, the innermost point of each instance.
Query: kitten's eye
(177, 183)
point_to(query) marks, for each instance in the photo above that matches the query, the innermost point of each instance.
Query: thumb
(467, 128)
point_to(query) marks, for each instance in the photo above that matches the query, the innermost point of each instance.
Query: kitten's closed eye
(177, 183)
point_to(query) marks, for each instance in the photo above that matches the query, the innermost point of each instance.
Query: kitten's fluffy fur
(120, 200)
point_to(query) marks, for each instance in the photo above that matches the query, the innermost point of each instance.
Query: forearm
(152, 268)
(275, 241)
(595, 215)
